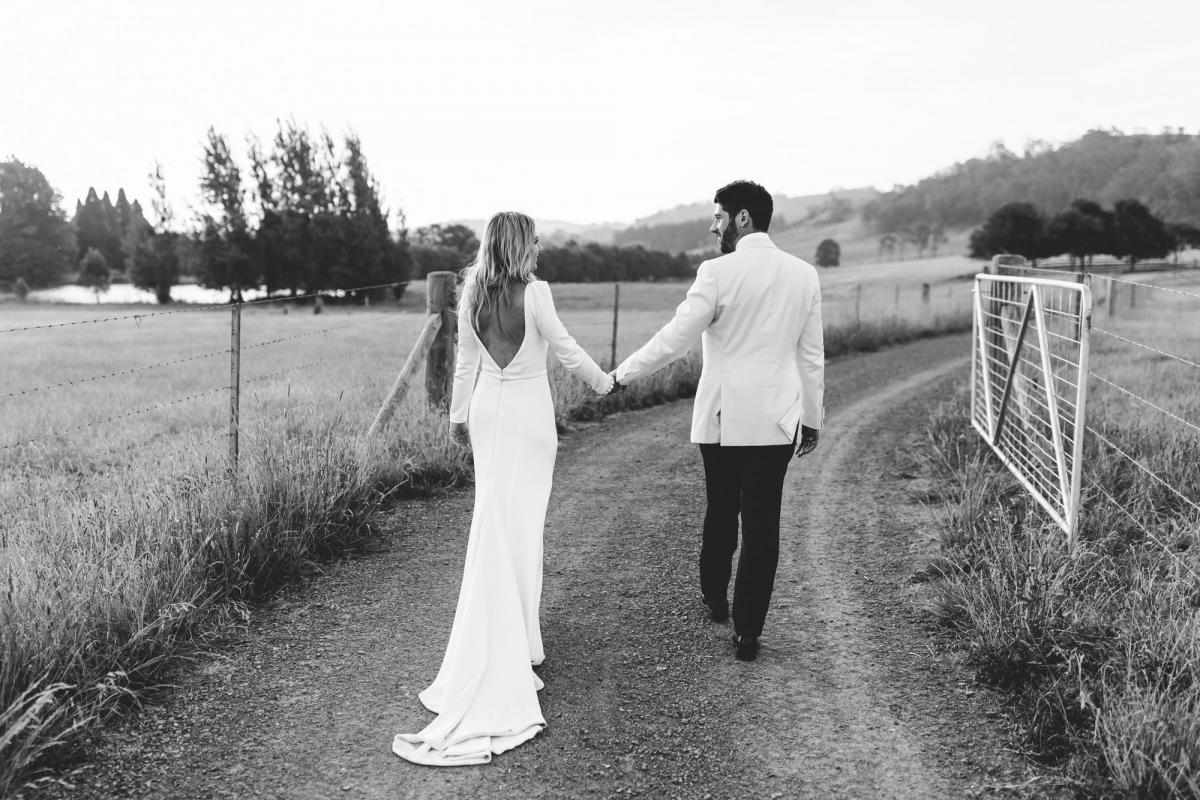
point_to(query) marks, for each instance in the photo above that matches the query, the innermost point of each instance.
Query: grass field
(126, 540)
(1099, 649)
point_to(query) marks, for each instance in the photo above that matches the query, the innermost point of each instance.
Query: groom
(757, 312)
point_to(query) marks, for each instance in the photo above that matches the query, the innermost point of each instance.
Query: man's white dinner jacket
(757, 312)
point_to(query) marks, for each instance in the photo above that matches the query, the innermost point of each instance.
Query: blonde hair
(507, 255)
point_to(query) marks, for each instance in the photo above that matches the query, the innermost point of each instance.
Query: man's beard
(729, 238)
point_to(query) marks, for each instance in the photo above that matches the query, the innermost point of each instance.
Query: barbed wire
(317, 332)
(187, 309)
(1114, 279)
(200, 357)
(103, 420)
(1143, 468)
(130, 371)
(1154, 350)
(1146, 531)
(290, 298)
(298, 367)
(1141, 399)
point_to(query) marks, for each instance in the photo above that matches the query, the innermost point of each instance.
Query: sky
(576, 110)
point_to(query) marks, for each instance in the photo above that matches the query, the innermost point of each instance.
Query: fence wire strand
(1143, 400)
(1162, 545)
(130, 371)
(104, 420)
(1147, 347)
(1143, 468)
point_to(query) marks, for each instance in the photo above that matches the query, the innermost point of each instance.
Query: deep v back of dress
(501, 325)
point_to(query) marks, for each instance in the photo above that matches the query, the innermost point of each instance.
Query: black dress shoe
(745, 648)
(717, 611)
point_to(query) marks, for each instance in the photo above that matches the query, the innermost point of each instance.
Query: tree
(376, 258)
(829, 253)
(1137, 233)
(1183, 236)
(154, 251)
(919, 235)
(21, 289)
(455, 237)
(887, 245)
(94, 272)
(225, 239)
(1014, 228)
(91, 229)
(36, 241)
(1082, 231)
(937, 237)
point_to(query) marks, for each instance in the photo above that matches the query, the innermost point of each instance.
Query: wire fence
(163, 394)
(102, 421)
(1144, 372)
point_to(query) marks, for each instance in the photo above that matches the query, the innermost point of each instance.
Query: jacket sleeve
(561, 343)
(674, 339)
(810, 359)
(466, 365)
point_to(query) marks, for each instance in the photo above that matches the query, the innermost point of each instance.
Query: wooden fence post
(1112, 297)
(439, 365)
(858, 304)
(433, 324)
(925, 293)
(612, 362)
(235, 383)
(896, 303)
(1133, 295)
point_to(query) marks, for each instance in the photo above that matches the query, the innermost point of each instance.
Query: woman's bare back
(501, 326)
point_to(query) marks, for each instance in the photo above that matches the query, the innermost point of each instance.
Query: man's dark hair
(733, 197)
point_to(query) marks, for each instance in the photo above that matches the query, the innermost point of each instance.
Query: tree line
(452, 247)
(301, 214)
(1085, 229)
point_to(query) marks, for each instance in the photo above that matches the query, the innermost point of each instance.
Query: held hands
(808, 441)
(617, 386)
(459, 433)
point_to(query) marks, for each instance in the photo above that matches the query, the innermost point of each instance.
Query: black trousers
(745, 481)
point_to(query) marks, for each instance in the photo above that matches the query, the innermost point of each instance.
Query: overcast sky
(577, 110)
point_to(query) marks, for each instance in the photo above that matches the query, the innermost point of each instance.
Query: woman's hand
(459, 433)
(617, 386)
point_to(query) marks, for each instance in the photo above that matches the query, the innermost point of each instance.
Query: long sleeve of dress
(466, 366)
(561, 343)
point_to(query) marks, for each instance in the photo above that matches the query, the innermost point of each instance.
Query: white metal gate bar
(1029, 383)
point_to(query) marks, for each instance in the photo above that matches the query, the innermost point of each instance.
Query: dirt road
(643, 696)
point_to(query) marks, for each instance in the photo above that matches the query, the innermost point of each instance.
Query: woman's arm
(466, 365)
(564, 347)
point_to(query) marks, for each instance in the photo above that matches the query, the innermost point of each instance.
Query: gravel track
(643, 697)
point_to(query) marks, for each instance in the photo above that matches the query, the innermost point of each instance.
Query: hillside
(791, 209)
(1161, 170)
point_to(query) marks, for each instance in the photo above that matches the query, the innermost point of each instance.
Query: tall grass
(1099, 648)
(128, 567)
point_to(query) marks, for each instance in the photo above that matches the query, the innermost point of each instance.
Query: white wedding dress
(485, 694)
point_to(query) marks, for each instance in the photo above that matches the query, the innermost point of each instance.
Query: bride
(485, 694)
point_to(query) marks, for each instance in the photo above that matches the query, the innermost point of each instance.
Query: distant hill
(1161, 170)
(792, 209)
(556, 231)
(685, 227)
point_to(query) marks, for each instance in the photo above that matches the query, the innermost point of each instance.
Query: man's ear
(743, 219)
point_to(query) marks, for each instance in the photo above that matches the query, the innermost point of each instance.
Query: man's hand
(808, 440)
(459, 433)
